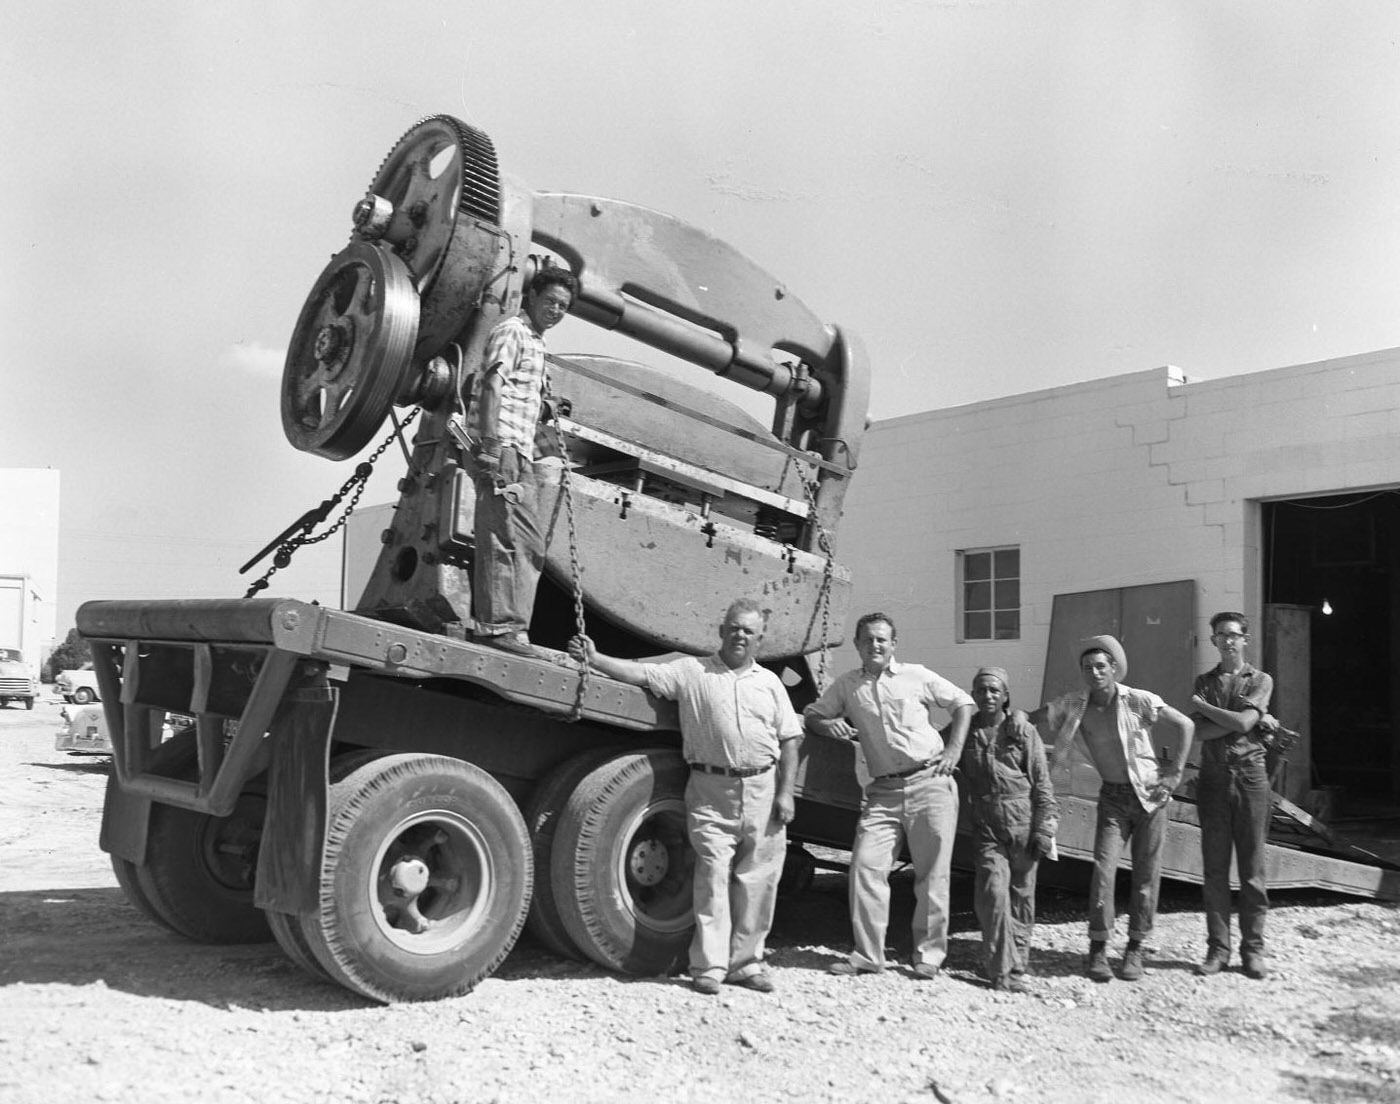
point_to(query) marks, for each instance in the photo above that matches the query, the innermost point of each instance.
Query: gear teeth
(480, 195)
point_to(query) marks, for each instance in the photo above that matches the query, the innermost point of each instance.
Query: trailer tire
(622, 864)
(441, 835)
(125, 871)
(199, 871)
(542, 813)
(287, 929)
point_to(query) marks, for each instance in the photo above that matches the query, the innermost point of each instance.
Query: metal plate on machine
(652, 568)
(676, 419)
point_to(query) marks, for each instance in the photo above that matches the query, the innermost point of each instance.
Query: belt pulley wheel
(351, 352)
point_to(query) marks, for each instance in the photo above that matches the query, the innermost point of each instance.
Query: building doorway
(1339, 555)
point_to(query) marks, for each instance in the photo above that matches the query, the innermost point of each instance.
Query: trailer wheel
(199, 871)
(622, 864)
(542, 814)
(125, 871)
(799, 871)
(291, 937)
(426, 879)
(289, 928)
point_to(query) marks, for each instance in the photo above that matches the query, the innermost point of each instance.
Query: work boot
(1254, 966)
(705, 984)
(1011, 983)
(759, 982)
(517, 643)
(1132, 968)
(848, 969)
(1099, 969)
(1216, 960)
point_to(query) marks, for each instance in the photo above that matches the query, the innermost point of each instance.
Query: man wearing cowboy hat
(1114, 723)
(1014, 816)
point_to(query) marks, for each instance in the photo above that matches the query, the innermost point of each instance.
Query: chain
(285, 545)
(824, 542)
(575, 569)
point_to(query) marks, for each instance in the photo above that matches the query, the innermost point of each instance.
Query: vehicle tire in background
(542, 813)
(83, 695)
(426, 879)
(622, 864)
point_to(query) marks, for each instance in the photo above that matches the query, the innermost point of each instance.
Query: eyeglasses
(1232, 638)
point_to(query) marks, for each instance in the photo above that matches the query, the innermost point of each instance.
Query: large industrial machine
(390, 800)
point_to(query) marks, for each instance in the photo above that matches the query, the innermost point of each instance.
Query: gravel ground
(101, 1005)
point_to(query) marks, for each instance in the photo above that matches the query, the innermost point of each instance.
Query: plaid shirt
(516, 351)
(728, 718)
(1135, 712)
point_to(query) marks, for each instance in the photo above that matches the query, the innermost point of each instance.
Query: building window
(989, 593)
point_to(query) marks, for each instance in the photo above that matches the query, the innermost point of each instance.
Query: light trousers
(739, 854)
(921, 810)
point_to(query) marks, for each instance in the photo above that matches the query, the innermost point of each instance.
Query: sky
(998, 197)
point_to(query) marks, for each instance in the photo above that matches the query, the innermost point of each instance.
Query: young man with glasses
(1231, 710)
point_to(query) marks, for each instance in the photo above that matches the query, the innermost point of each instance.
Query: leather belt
(915, 769)
(730, 772)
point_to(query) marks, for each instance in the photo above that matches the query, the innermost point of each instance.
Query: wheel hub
(649, 862)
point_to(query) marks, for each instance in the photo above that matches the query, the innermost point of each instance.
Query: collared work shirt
(1136, 711)
(728, 718)
(516, 351)
(1247, 688)
(890, 711)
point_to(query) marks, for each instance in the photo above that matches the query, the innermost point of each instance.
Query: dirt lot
(101, 1005)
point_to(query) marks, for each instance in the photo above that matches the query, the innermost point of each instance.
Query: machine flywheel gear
(440, 169)
(351, 352)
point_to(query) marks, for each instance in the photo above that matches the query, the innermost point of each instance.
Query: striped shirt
(728, 718)
(516, 351)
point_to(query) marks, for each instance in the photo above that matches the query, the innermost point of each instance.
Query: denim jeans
(509, 548)
(1234, 805)
(1122, 821)
(922, 809)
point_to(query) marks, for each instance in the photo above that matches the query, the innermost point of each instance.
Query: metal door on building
(1155, 623)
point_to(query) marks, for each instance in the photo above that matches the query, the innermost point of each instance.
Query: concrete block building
(999, 532)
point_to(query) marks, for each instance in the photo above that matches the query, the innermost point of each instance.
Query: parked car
(83, 731)
(17, 679)
(77, 686)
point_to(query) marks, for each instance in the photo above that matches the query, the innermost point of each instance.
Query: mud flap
(125, 819)
(289, 857)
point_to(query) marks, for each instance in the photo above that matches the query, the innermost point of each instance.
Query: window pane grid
(990, 593)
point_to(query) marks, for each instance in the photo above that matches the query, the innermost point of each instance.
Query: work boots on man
(1099, 969)
(1132, 968)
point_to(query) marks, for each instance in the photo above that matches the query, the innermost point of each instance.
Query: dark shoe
(1254, 967)
(707, 985)
(517, 643)
(926, 971)
(848, 969)
(1098, 967)
(1132, 966)
(1009, 984)
(1216, 960)
(759, 982)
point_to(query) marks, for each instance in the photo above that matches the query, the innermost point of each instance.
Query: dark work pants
(1004, 890)
(1123, 821)
(509, 548)
(1234, 805)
